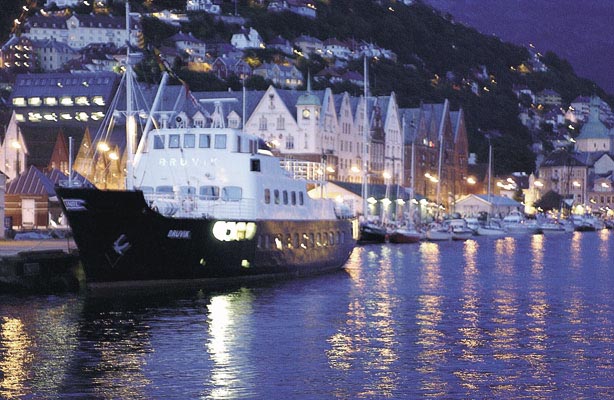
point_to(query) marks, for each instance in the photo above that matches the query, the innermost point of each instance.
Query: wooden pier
(39, 266)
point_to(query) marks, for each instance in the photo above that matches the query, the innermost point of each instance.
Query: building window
(262, 124)
(281, 123)
(290, 142)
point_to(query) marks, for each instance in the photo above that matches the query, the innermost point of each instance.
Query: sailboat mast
(365, 142)
(489, 168)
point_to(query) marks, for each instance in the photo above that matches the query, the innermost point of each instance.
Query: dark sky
(580, 31)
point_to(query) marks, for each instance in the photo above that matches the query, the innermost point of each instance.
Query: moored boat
(437, 232)
(459, 228)
(405, 235)
(372, 233)
(202, 204)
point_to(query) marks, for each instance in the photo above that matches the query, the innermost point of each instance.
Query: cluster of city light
(35, 116)
(431, 178)
(51, 101)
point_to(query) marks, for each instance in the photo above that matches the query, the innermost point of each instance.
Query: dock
(39, 266)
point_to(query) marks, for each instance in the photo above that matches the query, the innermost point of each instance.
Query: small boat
(437, 232)
(516, 224)
(491, 228)
(405, 234)
(372, 233)
(552, 227)
(459, 228)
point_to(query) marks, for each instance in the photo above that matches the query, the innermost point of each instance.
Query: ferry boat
(204, 203)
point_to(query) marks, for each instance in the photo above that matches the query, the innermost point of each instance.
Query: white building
(247, 38)
(79, 30)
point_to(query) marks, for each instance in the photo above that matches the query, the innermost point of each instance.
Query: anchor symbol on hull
(121, 244)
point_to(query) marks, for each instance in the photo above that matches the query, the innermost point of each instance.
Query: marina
(526, 316)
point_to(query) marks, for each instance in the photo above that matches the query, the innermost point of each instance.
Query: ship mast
(130, 121)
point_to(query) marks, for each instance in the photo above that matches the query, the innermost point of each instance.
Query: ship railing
(308, 170)
(193, 206)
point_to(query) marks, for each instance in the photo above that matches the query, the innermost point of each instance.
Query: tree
(549, 201)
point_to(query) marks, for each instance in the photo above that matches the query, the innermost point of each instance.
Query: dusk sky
(582, 32)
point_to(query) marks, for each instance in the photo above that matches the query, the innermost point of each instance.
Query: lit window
(98, 100)
(50, 101)
(35, 117)
(19, 102)
(35, 101)
(65, 116)
(82, 116)
(20, 117)
(82, 101)
(66, 101)
(97, 115)
(50, 117)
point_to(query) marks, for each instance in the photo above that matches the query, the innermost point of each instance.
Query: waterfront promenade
(11, 247)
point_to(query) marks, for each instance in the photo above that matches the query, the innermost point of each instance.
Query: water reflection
(431, 339)
(227, 342)
(368, 336)
(16, 358)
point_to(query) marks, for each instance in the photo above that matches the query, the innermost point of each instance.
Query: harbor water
(514, 317)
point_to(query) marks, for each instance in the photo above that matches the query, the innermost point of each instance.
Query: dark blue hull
(120, 239)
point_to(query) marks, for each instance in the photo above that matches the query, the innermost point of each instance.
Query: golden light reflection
(430, 279)
(604, 245)
(224, 313)
(537, 254)
(434, 353)
(576, 250)
(471, 337)
(15, 359)
(369, 338)
(505, 249)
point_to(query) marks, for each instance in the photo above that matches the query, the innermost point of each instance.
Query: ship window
(278, 242)
(204, 141)
(311, 240)
(304, 240)
(296, 241)
(232, 193)
(220, 141)
(158, 142)
(189, 140)
(267, 242)
(187, 190)
(146, 189)
(209, 192)
(293, 197)
(331, 238)
(276, 196)
(342, 237)
(289, 241)
(165, 191)
(255, 165)
(267, 196)
(301, 201)
(173, 141)
(318, 239)
(285, 194)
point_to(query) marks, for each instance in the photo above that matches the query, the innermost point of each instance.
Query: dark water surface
(523, 317)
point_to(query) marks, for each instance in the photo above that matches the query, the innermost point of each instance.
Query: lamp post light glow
(103, 147)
